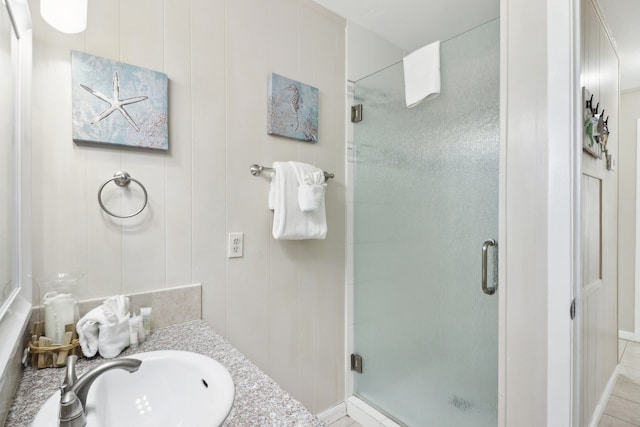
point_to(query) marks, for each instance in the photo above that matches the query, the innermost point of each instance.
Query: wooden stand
(46, 355)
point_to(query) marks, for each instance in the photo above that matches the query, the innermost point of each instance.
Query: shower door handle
(485, 248)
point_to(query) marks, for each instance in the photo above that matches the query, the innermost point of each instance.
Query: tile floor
(623, 407)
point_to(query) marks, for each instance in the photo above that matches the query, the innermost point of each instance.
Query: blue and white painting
(293, 109)
(117, 103)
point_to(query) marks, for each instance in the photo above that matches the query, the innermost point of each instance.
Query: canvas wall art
(293, 109)
(117, 103)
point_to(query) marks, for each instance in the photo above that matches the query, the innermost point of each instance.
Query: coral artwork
(117, 103)
(293, 109)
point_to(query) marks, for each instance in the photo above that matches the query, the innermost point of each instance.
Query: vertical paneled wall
(627, 165)
(598, 305)
(282, 304)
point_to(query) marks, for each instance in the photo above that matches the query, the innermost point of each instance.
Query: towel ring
(122, 179)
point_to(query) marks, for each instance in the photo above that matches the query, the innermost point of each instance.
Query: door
(425, 202)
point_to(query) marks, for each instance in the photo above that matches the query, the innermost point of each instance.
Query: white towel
(311, 186)
(289, 221)
(105, 329)
(422, 74)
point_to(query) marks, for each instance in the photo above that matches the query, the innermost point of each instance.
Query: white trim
(602, 403)
(630, 90)
(576, 354)
(561, 217)
(540, 263)
(629, 336)
(11, 328)
(21, 53)
(6, 305)
(331, 415)
(14, 322)
(25, 71)
(20, 16)
(13, 235)
(636, 310)
(366, 415)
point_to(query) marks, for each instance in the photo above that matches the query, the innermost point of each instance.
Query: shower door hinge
(572, 310)
(356, 113)
(356, 363)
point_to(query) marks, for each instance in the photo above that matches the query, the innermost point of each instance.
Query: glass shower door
(425, 202)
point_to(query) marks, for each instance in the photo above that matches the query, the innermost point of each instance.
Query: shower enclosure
(425, 202)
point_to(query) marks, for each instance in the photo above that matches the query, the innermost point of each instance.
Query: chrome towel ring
(122, 179)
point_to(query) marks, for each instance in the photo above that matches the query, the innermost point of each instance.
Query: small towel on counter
(105, 329)
(289, 221)
(422, 74)
(311, 186)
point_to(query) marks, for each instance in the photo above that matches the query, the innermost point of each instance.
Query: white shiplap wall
(597, 307)
(282, 304)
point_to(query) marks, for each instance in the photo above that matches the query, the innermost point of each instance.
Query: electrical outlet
(236, 241)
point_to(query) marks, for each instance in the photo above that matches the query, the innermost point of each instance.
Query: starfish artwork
(138, 96)
(115, 103)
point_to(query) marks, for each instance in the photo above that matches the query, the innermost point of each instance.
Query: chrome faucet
(74, 390)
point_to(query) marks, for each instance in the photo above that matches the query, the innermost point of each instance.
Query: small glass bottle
(145, 312)
(133, 331)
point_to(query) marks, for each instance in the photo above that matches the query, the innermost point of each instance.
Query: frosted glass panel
(425, 200)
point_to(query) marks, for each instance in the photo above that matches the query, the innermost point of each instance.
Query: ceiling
(622, 18)
(411, 24)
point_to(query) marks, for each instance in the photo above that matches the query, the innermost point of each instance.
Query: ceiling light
(67, 16)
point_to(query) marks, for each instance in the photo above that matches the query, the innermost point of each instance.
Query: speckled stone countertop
(259, 401)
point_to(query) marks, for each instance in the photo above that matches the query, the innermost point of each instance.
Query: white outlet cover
(235, 245)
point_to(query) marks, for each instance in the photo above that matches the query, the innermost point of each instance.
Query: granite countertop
(259, 401)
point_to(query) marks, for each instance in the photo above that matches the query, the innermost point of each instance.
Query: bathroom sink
(171, 388)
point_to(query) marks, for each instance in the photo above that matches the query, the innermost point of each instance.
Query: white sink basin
(171, 388)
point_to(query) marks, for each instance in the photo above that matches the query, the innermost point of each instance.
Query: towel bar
(257, 170)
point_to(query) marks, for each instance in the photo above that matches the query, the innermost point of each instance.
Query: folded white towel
(105, 329)
(311, 197)
(272, 191)
(422, 74)
(311, 186)
(289, 221)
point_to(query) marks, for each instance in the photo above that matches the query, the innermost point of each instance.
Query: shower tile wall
(282, 303)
